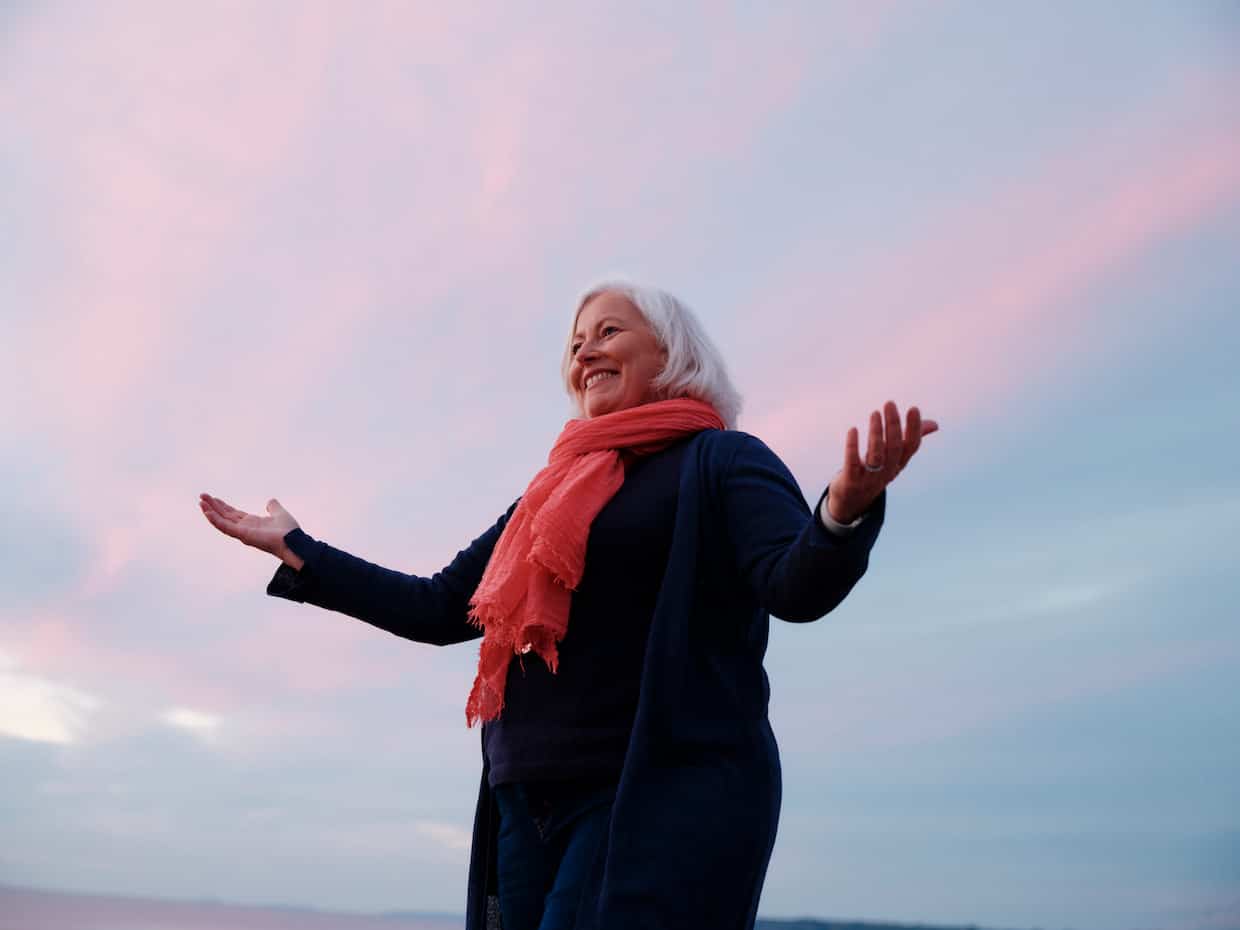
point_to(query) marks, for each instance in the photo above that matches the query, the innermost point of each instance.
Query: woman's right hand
(265, 533)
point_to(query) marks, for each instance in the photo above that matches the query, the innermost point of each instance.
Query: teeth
(598, 376)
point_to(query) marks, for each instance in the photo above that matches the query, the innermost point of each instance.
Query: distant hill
(807, 924)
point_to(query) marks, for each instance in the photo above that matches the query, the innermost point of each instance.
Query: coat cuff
(288, 582)
(828, 523)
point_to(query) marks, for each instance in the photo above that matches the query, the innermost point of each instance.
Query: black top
(576, 723)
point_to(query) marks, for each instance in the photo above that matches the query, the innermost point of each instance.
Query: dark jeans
(549, 834)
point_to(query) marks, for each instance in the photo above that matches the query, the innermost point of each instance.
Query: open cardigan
(693, 824)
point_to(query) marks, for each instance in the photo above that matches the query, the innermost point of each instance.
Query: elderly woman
(630, 777)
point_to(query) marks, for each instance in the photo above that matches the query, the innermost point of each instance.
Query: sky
(329, 252)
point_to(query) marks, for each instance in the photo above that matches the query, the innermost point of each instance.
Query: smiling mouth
(599, 376)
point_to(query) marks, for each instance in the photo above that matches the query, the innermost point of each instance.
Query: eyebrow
(602, 320)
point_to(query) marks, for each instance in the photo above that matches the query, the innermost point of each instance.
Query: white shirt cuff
(835, 526)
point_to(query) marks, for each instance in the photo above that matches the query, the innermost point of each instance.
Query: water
(28, 909)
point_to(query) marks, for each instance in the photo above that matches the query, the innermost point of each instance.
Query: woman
(630, 777)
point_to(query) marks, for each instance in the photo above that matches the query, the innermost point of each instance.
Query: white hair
(694, 366)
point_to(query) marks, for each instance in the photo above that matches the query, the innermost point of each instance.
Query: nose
(586, 355)
(587, 352)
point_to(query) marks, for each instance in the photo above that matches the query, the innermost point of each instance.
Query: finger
(227, 511)
(223, 516)
(225, 526)
(874, 445)
(852, 457)
(929, 426)
(212, 504)
(912, 439)
(895, 441)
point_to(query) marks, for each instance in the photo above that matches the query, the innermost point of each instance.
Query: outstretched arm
(796, 567)
(427, 610)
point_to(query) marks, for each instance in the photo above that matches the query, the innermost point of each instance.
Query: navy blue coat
(695, 814)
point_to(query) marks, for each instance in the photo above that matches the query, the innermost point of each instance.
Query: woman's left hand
(857, 485)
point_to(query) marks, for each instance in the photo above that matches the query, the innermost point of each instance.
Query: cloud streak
(981, 308)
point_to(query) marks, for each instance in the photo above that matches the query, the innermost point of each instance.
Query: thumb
(274, 507)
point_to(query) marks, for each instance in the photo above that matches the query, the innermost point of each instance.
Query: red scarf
(523, 599)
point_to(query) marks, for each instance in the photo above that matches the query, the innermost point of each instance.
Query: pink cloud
(571, 126)
(978, 308)
(269, 687)
(160, 147)
(173, 141)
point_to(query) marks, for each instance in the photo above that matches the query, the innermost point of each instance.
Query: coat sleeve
(427, 610)
(795, 568)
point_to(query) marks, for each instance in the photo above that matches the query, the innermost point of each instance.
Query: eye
(608, 330)
(574, 348)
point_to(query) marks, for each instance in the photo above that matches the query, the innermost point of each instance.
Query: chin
(603, 408)
(597, 406)
(608, 403)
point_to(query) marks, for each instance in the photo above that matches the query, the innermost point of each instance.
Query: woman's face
(615, 356)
